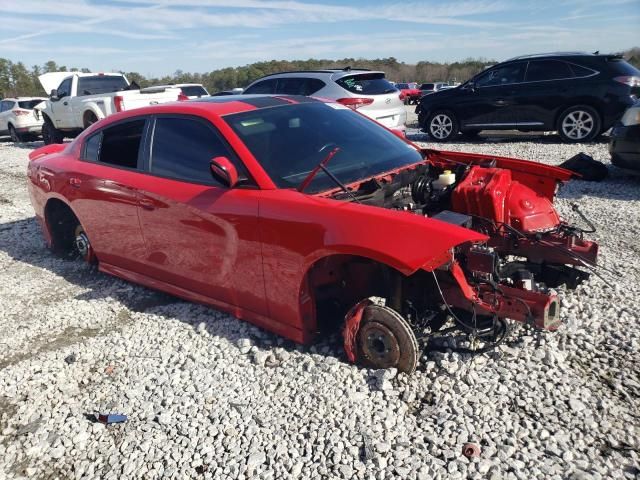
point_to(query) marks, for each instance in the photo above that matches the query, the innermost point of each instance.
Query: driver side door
(200, 235)
(63, 113)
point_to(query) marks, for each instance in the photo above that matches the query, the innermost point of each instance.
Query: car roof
(334, 73)
(21, 99)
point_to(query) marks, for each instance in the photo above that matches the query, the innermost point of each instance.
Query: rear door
(547, 85)
(104, 188)
(200, 235)
(492, 103)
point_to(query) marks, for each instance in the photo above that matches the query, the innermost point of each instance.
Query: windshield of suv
(29, 104)
(366, 84)
(289, 141)
(101, 84)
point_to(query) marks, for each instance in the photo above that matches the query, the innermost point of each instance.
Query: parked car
(410, 92)
(579, 95)
(188, 90)
(17, 118)
(624, 144)
(427, 88)
(291, 213)
(366, 91)
(78, 100)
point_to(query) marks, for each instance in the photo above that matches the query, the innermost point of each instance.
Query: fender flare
(93, 108)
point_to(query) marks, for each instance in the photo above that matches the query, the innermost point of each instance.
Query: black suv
(579, 95)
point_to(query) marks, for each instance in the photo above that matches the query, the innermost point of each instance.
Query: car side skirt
(287, 331)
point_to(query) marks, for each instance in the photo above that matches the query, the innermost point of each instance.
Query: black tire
(442, 126)
(15, 136)
(385, 340)
(89, 119)
(580, 123)
(51, 134)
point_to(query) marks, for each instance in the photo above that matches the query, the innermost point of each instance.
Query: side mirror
(471, 86)
(54, 94)
(224, 171)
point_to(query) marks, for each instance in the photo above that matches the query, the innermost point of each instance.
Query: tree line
(16, 79)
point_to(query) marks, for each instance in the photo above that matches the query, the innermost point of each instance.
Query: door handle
(501, 102)
(75, 182)
(147, 204)
(65, 103)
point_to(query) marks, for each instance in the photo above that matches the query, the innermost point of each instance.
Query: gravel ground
(208, 396)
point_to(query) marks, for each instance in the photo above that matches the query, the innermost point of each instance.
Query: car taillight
(118, 100)
(401, 96)
(630, 80)
(21, 112)
(355, 103)
(182, 97)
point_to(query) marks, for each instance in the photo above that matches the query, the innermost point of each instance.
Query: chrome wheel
(441, 126)
(578, 125)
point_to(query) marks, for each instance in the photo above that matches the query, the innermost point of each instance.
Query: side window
(182, 149)
(548, 70)
(64, 90)
(92, 147)
(299, 86)
(580, 72)
(120, 145)
(4, 106)
(506, 74)
(265, 86)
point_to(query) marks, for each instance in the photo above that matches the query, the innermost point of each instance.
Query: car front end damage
(478, 286)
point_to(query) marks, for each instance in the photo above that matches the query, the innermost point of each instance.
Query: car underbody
(528, 252)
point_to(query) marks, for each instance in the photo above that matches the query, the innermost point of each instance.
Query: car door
(62, 109)
(5, 109)
(104, 186)
(200, 235)
(547, 85)
(490, 103)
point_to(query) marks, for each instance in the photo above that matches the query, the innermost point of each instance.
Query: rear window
(101, 84)
(299, 86)
(29, 104)
(622, 68)
(120, 144)
(194, 91)
(539, 70)
(427, 86)
(402, 85)
(366, 84)
(579, 71)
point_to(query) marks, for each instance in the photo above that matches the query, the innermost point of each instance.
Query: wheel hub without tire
(82, 244)
(386, 340)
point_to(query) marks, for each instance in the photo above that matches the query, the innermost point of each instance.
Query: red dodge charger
(303, 216)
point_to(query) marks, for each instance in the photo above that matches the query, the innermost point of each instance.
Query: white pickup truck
(78, 99)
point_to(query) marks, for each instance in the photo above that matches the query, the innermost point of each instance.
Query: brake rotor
(385, 340)
(82, 244)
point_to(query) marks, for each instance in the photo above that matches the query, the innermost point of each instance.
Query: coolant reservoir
(445, 179)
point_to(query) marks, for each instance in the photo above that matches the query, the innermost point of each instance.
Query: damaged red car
(303, 217)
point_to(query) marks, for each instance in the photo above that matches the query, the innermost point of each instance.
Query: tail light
(632, 81)
(19, 113)
(118, 100)
(401, 96)
(355, 103)
(182, 97)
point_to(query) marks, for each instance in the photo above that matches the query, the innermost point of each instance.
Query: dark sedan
(578, 95)
(625, 140)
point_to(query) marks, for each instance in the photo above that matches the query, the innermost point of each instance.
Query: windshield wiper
(323, 166)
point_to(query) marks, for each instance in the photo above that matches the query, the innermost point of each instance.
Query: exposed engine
(529, 251)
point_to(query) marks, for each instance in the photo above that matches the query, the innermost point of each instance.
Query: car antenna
(322, 166)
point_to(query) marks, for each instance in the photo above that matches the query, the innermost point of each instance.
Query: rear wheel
(442, 126)
(89, 119)
(51, 134)
(579, 124)
(15, 136)
(82, 245)
(386, 340)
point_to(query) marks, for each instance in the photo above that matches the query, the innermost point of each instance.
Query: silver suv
(366, 91)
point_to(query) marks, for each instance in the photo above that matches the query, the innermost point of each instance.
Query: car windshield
(194, 91)
(290, 141)
(402, 85)
(29, 104)
(366, 84)
(101, 84)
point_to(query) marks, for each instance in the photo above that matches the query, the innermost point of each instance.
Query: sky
(158, 37)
